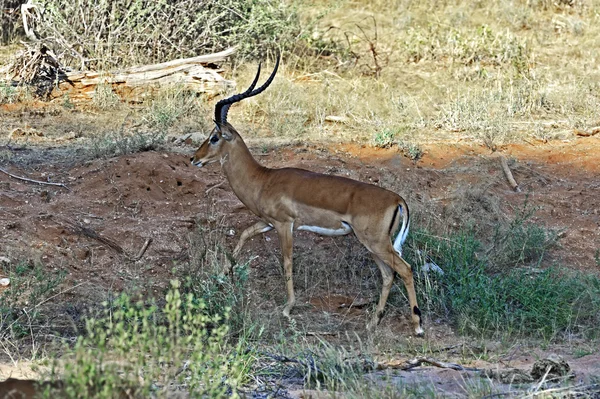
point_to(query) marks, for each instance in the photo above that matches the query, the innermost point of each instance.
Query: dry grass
(491, 72)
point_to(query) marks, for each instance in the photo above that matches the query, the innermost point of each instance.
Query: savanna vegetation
(386, 73)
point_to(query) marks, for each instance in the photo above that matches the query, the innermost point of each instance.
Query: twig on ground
(142, 250)
(320, 333)
(418, 361)
(81, 230)
(508, 174)
(34, 181)
(208, 190)
(85, 231)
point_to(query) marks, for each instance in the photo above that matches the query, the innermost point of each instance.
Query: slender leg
(388, 279)
(284, 231)
(257, 228)
(382, 249)
(405, 271)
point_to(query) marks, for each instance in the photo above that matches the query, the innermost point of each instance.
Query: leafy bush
(145, 31)
(146, 351)
(118, 143)
(8, 93)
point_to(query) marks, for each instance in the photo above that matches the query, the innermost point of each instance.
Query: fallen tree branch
(37, 66)
(34, 181)
(508, 174)
(141, 81)
(85, 231)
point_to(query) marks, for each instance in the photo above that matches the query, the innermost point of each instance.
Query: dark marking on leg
(394, 219)
(417, 311)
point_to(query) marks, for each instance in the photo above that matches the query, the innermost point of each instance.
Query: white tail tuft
(401, 237)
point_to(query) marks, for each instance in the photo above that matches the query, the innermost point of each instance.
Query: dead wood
(134, 84)
(585, 133)
(142, 250)
(87, 232)
(38, 67)
(32, 180)
(418, 361)
(508, 174)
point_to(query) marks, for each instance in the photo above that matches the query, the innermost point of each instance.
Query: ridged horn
(222, 107)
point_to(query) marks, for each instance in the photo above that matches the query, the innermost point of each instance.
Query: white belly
(342, 231)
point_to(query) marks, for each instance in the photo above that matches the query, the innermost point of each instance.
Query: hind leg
(405, 271)
(388, 279)
(382, 249)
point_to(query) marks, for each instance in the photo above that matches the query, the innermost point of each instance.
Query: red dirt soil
(159, 195)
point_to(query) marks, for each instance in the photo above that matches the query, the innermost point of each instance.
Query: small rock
(554, 365)
(4, 260)
(4, 282)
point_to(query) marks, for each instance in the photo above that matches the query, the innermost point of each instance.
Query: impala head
(216, 146)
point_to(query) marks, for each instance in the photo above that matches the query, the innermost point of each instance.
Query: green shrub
(8, 93)
(118, 143)
(541, 303)
(147, 351)
(212, 276)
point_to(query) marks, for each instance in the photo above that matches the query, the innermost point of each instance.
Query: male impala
(289, 198)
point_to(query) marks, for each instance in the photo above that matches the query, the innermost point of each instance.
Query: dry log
(136, 84)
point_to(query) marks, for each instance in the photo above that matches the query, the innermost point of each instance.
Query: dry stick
(81, 230)
(508, 174)
(142, 251)
(416, 362)
(215, 186)
(34, 181)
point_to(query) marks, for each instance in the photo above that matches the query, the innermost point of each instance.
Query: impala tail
(401, 211)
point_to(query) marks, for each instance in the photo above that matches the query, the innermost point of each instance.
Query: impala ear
(226, 134)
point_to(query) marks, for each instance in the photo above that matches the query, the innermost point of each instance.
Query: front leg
(257, 228)
(284, 231)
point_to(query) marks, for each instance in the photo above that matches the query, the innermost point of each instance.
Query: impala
(291, 199)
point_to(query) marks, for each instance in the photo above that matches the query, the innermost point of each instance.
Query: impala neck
(244, 174)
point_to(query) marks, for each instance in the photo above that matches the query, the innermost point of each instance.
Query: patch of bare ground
(93, 231)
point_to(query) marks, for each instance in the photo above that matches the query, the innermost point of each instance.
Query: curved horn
(222, 106)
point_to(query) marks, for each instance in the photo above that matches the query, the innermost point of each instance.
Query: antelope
(289, 199)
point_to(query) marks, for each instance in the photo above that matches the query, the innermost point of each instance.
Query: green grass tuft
(541, 303)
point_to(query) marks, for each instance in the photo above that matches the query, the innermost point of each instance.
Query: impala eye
(214, 139)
